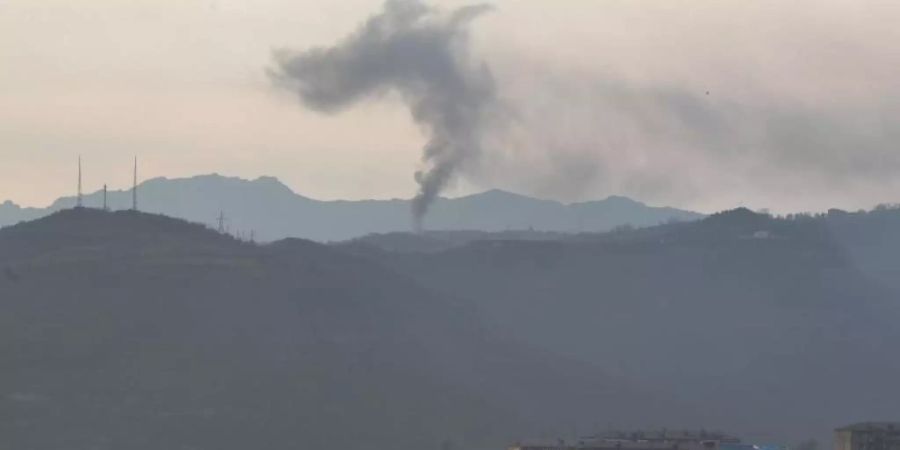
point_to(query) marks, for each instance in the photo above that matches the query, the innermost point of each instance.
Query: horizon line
(335, 200)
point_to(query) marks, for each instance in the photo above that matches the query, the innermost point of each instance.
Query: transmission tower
(221, 220)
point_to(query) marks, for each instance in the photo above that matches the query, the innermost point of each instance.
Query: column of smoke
(421, 53)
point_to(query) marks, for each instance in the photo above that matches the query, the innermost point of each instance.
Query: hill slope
(273, 211)
(782, 327)
(132, 331)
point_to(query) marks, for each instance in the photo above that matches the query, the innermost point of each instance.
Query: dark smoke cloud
(420, 53)
(571, 133)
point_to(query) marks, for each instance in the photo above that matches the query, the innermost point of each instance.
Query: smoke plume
(420, 53)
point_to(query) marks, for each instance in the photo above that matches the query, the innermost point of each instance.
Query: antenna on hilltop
(221, 222)
(78, 202)
(105, 205)
(134, 205)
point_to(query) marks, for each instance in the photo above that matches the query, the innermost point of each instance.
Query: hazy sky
(700, 104)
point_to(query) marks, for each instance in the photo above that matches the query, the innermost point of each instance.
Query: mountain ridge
(132, 330)
(271, 210)
(761, 316)
(758, 316)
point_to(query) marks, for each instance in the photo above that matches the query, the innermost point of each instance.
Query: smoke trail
(422, 54)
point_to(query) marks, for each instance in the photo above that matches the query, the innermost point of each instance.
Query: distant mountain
(11, 213)
(435, 241)
(783, 326)
(124, 330)
(272, 211)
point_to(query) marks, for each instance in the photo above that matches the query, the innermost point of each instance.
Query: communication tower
(221, 220)
(78, 202)
(134, 203)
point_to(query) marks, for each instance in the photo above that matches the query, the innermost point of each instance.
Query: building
(868, 436)
(642, 440)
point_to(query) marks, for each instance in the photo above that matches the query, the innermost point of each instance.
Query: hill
(434, 241)
(273, 211)
(131, 330)
(783, 326)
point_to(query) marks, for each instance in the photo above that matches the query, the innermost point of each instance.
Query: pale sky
(787, 105)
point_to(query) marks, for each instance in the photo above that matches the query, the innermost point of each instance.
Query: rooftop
(872, 426)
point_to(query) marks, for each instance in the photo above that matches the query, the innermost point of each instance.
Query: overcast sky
(698, 104)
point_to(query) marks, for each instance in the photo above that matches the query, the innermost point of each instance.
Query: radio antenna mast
(105, 205)
(78, 202)
(134, 204)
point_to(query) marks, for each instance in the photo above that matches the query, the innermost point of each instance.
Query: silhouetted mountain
(125, 330)
(781, 326)
(11, 213)
(872, 240)
(273, 211)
